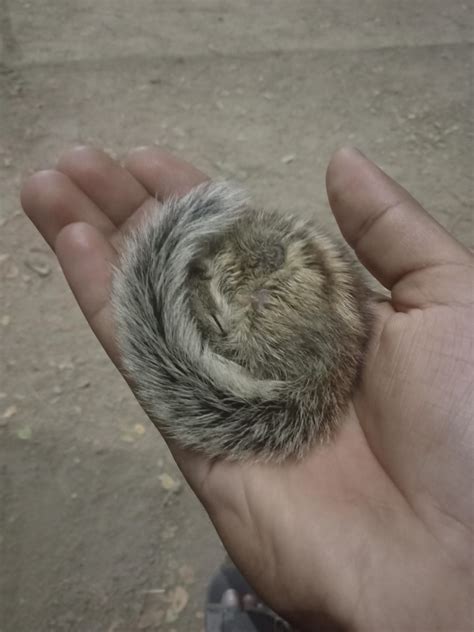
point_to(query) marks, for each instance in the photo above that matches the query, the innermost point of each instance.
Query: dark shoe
(221, 617)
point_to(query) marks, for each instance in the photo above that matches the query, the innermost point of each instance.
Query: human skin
(374, 530)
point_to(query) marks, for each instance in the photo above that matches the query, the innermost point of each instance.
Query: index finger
(161, 173)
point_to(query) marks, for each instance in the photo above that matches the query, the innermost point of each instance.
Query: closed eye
(218, 323)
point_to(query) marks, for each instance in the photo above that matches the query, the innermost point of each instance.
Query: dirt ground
(92, 538)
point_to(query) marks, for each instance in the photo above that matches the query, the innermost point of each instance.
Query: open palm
(374, 530)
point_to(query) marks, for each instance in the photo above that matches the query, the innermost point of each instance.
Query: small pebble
(288, 158)
(66, 365)
(38, 264)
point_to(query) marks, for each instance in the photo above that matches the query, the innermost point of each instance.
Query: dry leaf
(168, 483)
(10, 411)
(152, 613)
(178, 598)
(24, 433)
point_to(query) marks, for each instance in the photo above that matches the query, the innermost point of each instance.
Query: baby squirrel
(243, 331)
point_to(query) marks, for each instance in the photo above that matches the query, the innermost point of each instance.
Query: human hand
(374, 530)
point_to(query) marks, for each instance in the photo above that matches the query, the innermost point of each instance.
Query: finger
(87, 259)
(52, 201)
(111, 187)
(161, 173)
(390, 232)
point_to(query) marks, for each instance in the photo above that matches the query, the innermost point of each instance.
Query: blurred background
(98, 532)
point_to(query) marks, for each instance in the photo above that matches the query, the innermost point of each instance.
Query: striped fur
(243, 331)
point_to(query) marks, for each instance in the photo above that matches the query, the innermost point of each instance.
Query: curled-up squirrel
(243, 331)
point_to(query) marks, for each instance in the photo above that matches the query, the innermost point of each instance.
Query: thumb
(392, 235)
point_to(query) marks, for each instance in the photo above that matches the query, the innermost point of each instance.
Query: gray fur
(243, 331)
